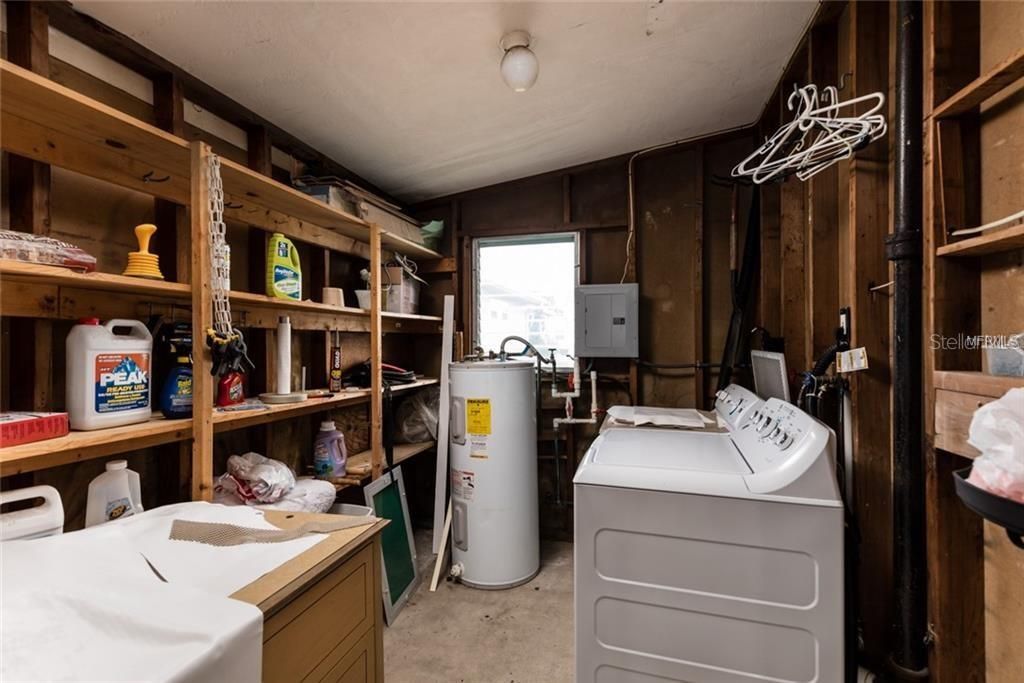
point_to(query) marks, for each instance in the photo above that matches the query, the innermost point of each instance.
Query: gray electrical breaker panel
(606, 321)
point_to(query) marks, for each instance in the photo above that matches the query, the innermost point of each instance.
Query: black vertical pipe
(903, 248)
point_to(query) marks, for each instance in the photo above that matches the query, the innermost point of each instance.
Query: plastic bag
(432, 233)
(309, 495)
(23, 246)
(416, 417)
(256, 479)
(997, 430)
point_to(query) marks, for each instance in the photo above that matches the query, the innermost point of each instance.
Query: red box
(19, 428)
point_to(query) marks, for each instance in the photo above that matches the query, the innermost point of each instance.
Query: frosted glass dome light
(519, 66)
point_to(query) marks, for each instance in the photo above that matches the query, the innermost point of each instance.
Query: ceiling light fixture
(519, 66)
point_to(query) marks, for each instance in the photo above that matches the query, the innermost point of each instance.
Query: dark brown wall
(683, 220)
(821, 244)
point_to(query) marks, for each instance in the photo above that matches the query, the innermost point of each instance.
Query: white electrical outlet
(852, 360)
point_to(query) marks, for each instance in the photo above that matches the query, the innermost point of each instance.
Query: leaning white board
(441, 478)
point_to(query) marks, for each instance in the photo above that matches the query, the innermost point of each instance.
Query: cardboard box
(19, 428)
(404, 294)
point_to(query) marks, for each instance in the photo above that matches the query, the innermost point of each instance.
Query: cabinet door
(321, 624)
(356, 666)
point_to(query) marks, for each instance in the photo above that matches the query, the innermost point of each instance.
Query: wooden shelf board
(256, 192)
(79, 446)
(263, 300)
(995, 242)
(406, 247)
(262, 311)
(225, 421)
(410, 316)
(445, 265)
(980, 89)
(263, 201)
(973, 382)
(48, 122)
(403, 452)
(102, 282)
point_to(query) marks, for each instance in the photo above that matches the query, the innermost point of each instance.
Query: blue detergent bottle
(176, 395)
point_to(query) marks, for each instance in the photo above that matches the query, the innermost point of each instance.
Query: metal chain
(220, 277)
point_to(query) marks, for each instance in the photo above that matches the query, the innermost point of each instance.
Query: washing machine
(711, 557)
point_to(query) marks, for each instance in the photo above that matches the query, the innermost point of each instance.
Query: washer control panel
(733, 405)
(777, 426)
(787, 451)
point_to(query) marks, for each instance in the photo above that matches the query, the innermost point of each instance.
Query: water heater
(495, 521)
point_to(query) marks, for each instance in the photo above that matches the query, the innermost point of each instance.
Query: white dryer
(711, 557)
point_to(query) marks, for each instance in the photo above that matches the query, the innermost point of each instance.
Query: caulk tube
(284, 355)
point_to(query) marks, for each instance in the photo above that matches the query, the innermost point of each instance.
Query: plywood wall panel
(599, 194)
(667, 210)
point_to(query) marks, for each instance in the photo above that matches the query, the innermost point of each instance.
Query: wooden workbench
(322, 610)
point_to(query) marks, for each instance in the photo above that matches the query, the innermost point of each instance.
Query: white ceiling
(409, 95)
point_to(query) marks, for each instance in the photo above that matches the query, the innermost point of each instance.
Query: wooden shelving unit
(985, 86)
(78, 446)
(971, 178)
(18, 271)
(978, 383)
(996, 242)
(224, 421)
(48, 123)
(363, 459)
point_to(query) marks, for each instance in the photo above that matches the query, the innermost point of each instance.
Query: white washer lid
(665, 460)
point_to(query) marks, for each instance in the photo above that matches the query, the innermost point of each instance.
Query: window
(525, 286)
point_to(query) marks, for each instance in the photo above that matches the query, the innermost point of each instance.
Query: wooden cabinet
(323, 609)
(322, 624)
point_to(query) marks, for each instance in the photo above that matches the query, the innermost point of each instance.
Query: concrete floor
(464, 635)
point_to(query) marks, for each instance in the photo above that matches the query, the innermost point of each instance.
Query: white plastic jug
(37, 521)
(108, 374)
(114, 494)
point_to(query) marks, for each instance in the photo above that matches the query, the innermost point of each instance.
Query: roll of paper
(284, 355)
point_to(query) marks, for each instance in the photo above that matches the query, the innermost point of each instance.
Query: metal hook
(842, 81)
(874, 289)
(148, 178)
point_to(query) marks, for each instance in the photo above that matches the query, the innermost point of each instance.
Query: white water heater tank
(495, 521)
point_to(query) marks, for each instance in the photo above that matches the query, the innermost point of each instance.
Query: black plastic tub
(1006, 513)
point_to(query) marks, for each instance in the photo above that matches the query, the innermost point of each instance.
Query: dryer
(711, 557)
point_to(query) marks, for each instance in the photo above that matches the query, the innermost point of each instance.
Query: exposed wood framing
(128, 52)
(864, 265)
(202, 319)
(28, 41)
(955, 538)
(697, 264)
(173, 242)
(822, 214)
(376, 351)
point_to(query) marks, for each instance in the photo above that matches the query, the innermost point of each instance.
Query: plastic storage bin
(350, 510)
(1008, 360)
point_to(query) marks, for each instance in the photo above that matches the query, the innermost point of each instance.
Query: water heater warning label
(463, 484)
(478, 416)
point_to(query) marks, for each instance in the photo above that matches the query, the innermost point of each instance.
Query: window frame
(511, 240)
